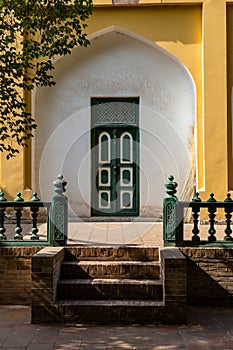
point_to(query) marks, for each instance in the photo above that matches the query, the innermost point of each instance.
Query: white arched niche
(118, 63)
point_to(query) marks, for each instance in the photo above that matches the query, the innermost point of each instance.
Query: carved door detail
(115, 168)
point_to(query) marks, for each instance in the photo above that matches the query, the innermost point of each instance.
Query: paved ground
(208, 329)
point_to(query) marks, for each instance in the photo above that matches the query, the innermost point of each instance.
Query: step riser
(107, 315)
(112, 253)
(109, 291)
(82, 271)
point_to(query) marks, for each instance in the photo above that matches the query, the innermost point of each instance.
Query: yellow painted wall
(229, 90)
(215, 98)
(15, 173)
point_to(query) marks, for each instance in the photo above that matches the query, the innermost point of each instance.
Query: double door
(115, 170)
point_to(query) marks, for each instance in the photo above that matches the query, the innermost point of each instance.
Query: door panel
(104, 145)
(115, 173)
(126, 148)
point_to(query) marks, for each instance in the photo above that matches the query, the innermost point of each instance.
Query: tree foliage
(32, 33)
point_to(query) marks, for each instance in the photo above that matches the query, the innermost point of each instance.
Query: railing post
(2, 218)
(34, 211)
(228, 211)
(212, 210)
(58, 215)
(169, 213)
(18, 212)
(196, 213)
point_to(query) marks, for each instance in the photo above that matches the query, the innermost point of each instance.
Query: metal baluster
(34, 210)
(2, 218)
(212, 210)
(228, 211)
(18, 210)
(196, 211)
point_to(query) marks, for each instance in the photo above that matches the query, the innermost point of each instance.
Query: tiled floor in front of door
(140, 233)
(148, 233)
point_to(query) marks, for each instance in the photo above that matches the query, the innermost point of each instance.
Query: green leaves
(32, 32)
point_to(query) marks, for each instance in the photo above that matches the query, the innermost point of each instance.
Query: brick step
(128, 253)
(110, 269)
(109, 311)
(98, 289)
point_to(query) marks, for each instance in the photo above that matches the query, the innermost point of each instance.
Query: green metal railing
(173, 219)
(57, 218)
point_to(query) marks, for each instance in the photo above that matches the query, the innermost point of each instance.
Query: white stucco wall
(115, 64)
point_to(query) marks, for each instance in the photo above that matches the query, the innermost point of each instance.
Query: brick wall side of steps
(209, 275)
(174, 277)
(15, 274)
(46, 266)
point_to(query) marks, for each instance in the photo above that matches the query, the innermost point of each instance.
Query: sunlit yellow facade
(200, 35)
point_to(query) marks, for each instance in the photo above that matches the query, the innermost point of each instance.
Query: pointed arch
(118, 63)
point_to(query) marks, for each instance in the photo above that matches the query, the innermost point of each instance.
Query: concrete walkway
(104, 233)
(141, 233)
(208, 329)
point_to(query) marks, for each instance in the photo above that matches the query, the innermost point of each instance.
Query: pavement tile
(193, 339)
(160, 347)
(66, 338)
(72, 330)
(114, 347)
(95, 335)
(142, 335)
(48, 334)
(67, 344)
(93, 347)
(122, 343)
(20, 336)
(5, 332)
(41, 346)
(14, 348)
(222, 346)
(14, 314)
(71, 337)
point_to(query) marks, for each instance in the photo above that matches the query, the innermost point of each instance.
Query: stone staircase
(110, 284)
(121, 284)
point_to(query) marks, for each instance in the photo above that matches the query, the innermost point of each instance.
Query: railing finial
(59, 185)
(228, 199)
(211, 199)
(171, 186)
(196, 198)
(2, 197)
(18, 198)
(34, 198)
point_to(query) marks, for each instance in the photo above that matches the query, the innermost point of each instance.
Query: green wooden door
(115, 160)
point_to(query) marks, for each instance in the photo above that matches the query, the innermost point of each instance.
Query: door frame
(133, 125)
